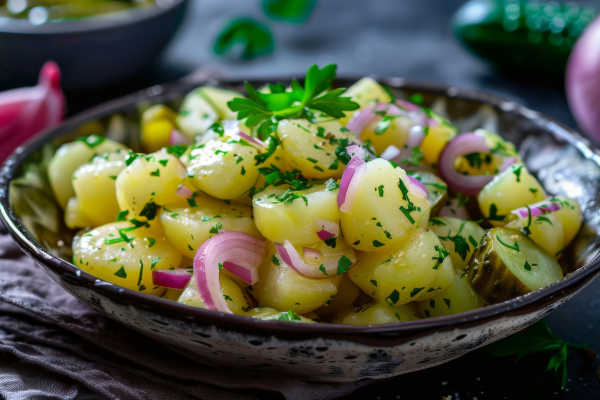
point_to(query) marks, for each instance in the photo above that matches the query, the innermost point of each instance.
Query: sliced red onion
(538, 209)
(258, 143)
(27, 111)
(241, 249)
(171, 278)
(248, 275)
(461, 145)
(352, 188)
(177, 138)
(407, 105)
(184, 192)
(417, 187)
(355, 151)
(290, 256)
(326, 229)
(354, 163)
(508, 161)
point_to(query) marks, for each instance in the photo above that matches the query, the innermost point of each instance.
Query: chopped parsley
(514, 247)
(121, 273)
(344, 264)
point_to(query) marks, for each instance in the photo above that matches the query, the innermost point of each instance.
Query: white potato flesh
(149, 179)
(460, 237)
(196, 115)
(310, 148)
(455, 208)
(347, 293)
(69, 157)
(570, 216)
(237, 299)
(546, 231)
(279, 286)
(457, 298)
(374, 313)
(381, 216)
(414, 271)
(218, 99)
(74, 216)
(188, 227)
(271, 314)
(396, 133)
(366, 92)
(225, 170)
(94, 184)
(130, 265)
(294, 220)
(511, 189)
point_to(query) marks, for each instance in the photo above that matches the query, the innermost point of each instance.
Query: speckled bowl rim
(402, 331)
(119, 20)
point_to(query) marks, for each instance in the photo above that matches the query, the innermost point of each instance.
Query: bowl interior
(564, 162)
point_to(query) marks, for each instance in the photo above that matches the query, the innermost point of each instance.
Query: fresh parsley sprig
(262, 108)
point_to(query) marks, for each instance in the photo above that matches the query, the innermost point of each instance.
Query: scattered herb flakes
(190, 248)
(121, 273)
(494, 214)
(393, 298)
(141, 272)
(243, 171)
(473, 241)
(192, 202)
(517, 171)
(331, 242)
(397, 316)
(142, 288)
(216, 228)
(155, 260)
(220, 266)
(416, 291)
(447, 302)
(442, 254)
(312, 160)
(540, 219)
(436, 221)
(532, 190)
(289, 316)
(122, 215)
(415, 157)
(323, 270)
(331, 185)
(380, 190)
(527, 266)
(376, 243)
(151, 242)
(149, 211)
(344, 264)
(514, 247)
(275, 260)
(227, 298)
(163, 162)
(373, 282)
(438, 186)
(356, 243)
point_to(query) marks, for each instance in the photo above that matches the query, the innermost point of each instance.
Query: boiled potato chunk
(385, 210)
(311, 148)
(172, 294)
(196, 115)
(396, 133)
(373, 313)
(460, 237)
(457, 298)
(366, 92)
(416, 270)
(271, 314)
(347, 293)
(127, 264)
(149, 180)
(74, 216)
(94, 184)
(437, 138)
(546, 230)
(570, 216)
(512, 189)
(218, 99)
(487, 163)
(279, 286)
(225, 170)
(69, 157)
(237, 299)
(437, 190)
(281, 215)
(188, 227)
(508, 264)
(157, 123)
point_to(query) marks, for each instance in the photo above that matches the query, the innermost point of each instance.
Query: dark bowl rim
(537, 299)
(124, 19)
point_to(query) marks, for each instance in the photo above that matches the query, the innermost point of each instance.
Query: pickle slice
(508, 264)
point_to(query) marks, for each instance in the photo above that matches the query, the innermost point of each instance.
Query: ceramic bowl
(563, 161)
(91, 52)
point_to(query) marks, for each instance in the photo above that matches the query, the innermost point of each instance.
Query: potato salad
(312, 204)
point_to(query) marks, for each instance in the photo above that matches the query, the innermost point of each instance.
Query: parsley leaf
(256, 38)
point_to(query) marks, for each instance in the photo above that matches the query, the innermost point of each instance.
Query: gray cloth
(52, 346)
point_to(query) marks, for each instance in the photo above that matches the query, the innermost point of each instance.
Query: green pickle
(508, 264)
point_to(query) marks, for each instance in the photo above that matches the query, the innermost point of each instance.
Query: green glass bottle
(522, 36)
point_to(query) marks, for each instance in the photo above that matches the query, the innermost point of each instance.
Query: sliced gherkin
(508, 264)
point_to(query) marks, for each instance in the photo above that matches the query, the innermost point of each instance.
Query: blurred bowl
(563, 161)
(91, 52)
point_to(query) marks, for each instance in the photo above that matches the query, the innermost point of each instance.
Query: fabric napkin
(54, 346)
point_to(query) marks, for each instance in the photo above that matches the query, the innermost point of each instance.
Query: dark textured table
(412, 39)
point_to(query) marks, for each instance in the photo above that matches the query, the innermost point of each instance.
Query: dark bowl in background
(91, 52)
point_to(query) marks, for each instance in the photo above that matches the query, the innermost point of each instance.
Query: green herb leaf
(121, 273)
(122, 215)
(289, 316)
(344, 264)
(323, 270)
(255, 38)
(293, 12)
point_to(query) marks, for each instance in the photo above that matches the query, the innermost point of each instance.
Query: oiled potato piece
(101, 253)
(435, 141)
(172, 294)
(149, 179)
(416, 270)
(94, 184)
(311, 148)
(237, 298)
(460, 237)
(512, 189)
(366, 92)
(196, 115)
(545, 230)
(188, 227)
(225, 170)
(156, 125)
(457, 298)
(437, 190)
(218, 99)
(280, 216)
(271, 314)
(382, 216)
(347, 293)
(281, 287)
(487, 163)
(70, 156)
(396, 133)
(74, 216)
(374, 313)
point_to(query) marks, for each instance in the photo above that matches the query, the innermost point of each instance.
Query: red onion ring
(352, 187)
(326, 229)
(349, 172)
(248, 275)
(355, 151)
(185, 192)
(461, 145)
(290, 256)
(258, 143)
(238, 248)
(407, 105)
(177, 138)
(171, 278)
(419, 186)
(538, 209)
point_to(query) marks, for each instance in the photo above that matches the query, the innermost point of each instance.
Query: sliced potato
(366, 92)
(460, 237)
(545, 230)
(75, 217)
(347, 293)
(271, 314)
(373, 313)
(508, 264)
(157, 123)
(437, 190)
(196, 115)
(435, 141)
(237, 298)
(457, 298)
